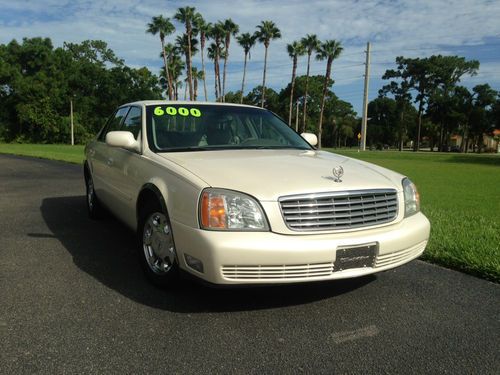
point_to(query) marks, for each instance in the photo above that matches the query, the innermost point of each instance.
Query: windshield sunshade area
(189, 127)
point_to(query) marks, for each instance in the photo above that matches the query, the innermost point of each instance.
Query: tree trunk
(195, 84)
(480, 142)
(226, 57)
(215, 81)
(167, 74)
(416, 146)
(465, 135)
(188, 62)
(219, 86)
(401, 118)
(304, 118)
(325, 86)
(202, 43)
(264, 77)
(334, 130)
(441, 138)
(244, 75)
(294, 71)
(217, 68)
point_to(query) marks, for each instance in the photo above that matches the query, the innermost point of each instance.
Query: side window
(114, 123)
(133, 121)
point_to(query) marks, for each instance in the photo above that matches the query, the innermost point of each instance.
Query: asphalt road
(73, 300)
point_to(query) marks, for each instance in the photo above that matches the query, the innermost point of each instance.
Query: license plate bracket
(357, 256)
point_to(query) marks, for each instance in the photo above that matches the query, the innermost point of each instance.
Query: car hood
(270, 174)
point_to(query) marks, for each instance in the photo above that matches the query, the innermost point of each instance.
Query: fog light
(194, 263)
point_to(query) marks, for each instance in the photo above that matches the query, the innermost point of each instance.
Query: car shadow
(105, 250)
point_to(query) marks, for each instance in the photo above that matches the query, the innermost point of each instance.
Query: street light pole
(71, 119)
(365, 99)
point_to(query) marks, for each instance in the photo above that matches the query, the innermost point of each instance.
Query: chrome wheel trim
(90, 193)
(158, 244)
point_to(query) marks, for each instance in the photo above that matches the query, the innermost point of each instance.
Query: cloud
(404, 27)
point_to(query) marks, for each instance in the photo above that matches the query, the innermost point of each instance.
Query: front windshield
(189, 127)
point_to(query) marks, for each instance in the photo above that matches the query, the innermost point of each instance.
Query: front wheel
(156, 248)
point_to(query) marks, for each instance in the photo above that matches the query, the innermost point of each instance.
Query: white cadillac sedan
(230, 194)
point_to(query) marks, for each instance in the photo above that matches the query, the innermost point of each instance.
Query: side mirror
(123, 139)
(310, 138)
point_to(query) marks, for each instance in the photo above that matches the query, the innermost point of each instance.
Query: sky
(469, 28)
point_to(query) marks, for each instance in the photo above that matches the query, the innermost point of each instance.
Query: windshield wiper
(230, 147)
(273, 148)
(196, 148)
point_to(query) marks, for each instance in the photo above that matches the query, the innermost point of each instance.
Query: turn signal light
(213, 212)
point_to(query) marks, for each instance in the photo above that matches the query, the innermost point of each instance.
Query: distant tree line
(37, 82)
(424, 100)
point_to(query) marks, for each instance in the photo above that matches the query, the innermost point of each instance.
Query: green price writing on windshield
(182, 111)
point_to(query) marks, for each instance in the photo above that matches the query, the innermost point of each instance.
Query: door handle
(109, 162)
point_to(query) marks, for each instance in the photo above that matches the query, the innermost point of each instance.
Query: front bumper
(267, 257)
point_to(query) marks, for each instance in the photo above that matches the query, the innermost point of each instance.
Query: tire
(94, 207)
(156, 247)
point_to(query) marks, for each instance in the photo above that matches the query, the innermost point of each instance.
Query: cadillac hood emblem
(338, 172)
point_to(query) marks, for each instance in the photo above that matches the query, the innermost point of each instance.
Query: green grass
(72, 154)
(460, 194)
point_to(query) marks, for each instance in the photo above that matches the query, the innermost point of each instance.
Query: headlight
(412, 198)
(230, 210)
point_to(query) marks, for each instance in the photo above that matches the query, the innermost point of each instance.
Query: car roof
(177, 102)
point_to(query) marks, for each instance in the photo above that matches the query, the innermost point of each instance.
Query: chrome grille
(339, 210)
(276, 272)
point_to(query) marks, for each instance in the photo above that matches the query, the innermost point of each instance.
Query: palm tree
(217, 34)
(294, 50)
(311, 43)
(266, 32)
(175, 69)
(182, 45)
(204, 30)
(164, 27)
(329, 50)
(166, 82)
(230, 28)
(246, 41)
(186, 16)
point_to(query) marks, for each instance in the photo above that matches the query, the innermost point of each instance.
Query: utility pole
(71, 117)
(364, 122)
(297, 118)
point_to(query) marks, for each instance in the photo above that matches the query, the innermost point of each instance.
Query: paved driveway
(73, 299)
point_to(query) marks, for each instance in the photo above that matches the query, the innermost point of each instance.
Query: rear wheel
(94, 207)
(156, 246)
